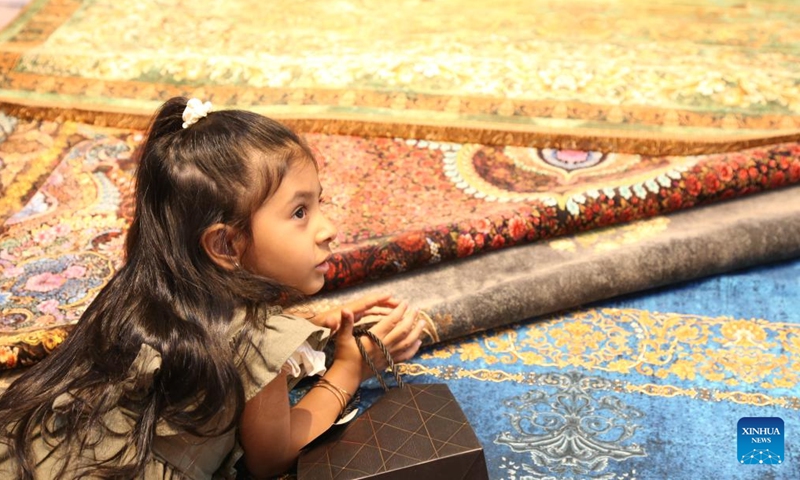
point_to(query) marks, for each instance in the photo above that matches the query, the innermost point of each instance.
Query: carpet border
(484, 133)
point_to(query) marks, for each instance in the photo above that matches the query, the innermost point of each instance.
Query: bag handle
(359, 332)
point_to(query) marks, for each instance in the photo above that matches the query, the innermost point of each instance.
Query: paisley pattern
(617, 391)
(29, 150)
(63, 246)
(49, 286)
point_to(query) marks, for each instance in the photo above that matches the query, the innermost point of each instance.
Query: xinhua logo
(760, 440)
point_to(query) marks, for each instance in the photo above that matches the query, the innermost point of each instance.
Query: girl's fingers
(378, 311)
(334, 327)
(363, 305)
(413, 337)
(390, 302)
(368, 301)
(346, 325)
(389, 321)
(408, 353)
(402, 329)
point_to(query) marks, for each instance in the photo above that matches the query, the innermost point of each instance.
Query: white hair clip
(195, 110)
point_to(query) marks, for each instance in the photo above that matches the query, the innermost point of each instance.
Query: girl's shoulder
(265, 343)
(274, 323)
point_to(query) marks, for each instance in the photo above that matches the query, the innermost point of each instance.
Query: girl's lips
(323, 267)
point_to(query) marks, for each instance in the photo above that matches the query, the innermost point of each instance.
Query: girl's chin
(311, 289)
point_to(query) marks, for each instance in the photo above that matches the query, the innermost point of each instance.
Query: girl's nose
(327, 231)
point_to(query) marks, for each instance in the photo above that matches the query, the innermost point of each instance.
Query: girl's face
(291, 236)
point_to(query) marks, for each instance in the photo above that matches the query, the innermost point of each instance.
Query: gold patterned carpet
(623, 73)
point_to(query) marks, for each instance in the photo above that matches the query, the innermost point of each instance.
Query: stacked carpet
(428, 205)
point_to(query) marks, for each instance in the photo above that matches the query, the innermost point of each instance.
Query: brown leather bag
(414, 431)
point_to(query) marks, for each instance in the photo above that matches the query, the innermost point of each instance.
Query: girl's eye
(300, 213)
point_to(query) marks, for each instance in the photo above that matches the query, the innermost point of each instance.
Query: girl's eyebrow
(305, 195)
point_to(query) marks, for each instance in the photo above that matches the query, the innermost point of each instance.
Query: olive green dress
(178, 455)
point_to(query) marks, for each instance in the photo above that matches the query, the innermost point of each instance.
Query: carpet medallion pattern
(544, 425)
(479, 199)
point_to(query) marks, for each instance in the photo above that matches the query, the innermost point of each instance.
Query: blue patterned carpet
(649, 386)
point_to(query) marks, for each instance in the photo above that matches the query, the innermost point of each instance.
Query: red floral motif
(693, 186)
(517, 228)
(675, 201)
(482, 225)
(725, 172)
(465, 245)
(412, 241)
(778, 179)
(607, 218)
(794, 171)
(498, 241)
(625, 215)
(711, 182)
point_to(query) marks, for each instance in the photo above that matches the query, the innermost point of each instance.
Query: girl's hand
(332, 318)
(347, 354)
(399, 329)
(272, 433)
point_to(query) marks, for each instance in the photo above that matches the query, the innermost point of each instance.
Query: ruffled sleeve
(272, 342)
(306, 362)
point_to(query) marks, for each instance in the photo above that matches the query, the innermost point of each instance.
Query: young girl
(183, 362)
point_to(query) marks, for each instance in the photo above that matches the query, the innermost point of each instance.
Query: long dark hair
(168, 295)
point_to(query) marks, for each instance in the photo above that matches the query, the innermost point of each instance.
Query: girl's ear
(223, 245)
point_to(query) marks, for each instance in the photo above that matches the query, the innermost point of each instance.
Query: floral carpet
(513, 72)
